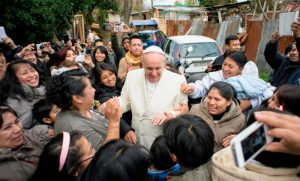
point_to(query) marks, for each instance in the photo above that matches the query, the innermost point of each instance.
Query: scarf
(34, 93)
(133, 60)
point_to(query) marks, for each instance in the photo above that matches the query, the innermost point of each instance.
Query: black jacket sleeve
(298, 43)
(124, 128)
(117, 49)
(272, 56)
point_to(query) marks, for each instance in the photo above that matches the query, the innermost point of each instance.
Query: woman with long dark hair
(21, 88)
(107, 86)
(64, 158)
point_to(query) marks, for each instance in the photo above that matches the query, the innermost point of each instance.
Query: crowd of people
(118, 112)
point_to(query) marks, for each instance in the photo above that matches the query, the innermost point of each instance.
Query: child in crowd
(44, 112)
(162, 166)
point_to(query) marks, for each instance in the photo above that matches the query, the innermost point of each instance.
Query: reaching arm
(272, 56)
(116, 47)
(200, 87)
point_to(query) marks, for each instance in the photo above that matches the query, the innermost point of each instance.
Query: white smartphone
(285, 22)
(2, 34)
(249, 143)
(38, 46)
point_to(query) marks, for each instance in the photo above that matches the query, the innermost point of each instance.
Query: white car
(191, 53)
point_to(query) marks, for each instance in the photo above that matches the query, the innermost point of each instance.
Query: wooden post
(220, 16)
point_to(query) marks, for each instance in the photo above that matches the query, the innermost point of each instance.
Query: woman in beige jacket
(222, 113)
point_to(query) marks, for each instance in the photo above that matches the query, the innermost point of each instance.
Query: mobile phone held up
(249, 143)
(39, 46)
(2, 34)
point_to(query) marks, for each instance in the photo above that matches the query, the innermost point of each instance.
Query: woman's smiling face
(215, 103)
(108, 78)
(27, 75)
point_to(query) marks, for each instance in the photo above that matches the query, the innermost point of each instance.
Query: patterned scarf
(133, 60)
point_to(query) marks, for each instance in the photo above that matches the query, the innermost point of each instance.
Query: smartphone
(249, 143)
(285, 22)
(79, 58)
(2, 34)
(38, 46)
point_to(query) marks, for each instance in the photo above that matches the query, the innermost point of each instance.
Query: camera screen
(254, 142)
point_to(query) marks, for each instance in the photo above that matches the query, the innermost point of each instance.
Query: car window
(175, 51)
(204, 49)
(167, 46)
(146, 36)
(158, 37)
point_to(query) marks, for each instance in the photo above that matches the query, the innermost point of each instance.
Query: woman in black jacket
(107, 86)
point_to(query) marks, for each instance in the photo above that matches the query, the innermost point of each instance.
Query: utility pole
(152, 8)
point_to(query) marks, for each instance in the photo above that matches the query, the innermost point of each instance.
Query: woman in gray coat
(19, 149)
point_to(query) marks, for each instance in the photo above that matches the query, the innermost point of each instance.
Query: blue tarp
(149, 22)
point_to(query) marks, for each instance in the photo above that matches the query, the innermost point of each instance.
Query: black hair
(10, 86)
(41, 110)
(190, 139)
(125, 38)
(288, 49)
(104, 93)
(224, 89)
(97, 40)
(48, 167)
(239, 58)
(61, 88)
(4, 109)
(73, 41)
(2, 50)
(66, 38)
(230, 38)
(134, 36)
(103, 66)
(55, 46)
(118, 160)
(289, 97)
(159, 154)
(102, 49)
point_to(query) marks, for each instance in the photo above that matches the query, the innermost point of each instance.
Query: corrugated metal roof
(182, 9)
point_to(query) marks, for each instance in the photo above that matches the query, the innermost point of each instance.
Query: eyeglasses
(91, 153)
(78, 164)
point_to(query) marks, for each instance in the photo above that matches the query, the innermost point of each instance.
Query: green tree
(34, 20)
(208, 3)
(28, 21)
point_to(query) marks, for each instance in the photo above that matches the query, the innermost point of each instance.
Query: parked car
(152, 37)
(192, 53)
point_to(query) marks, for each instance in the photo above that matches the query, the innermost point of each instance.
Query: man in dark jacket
(120, 51)
(232, 44)
(286, 68)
